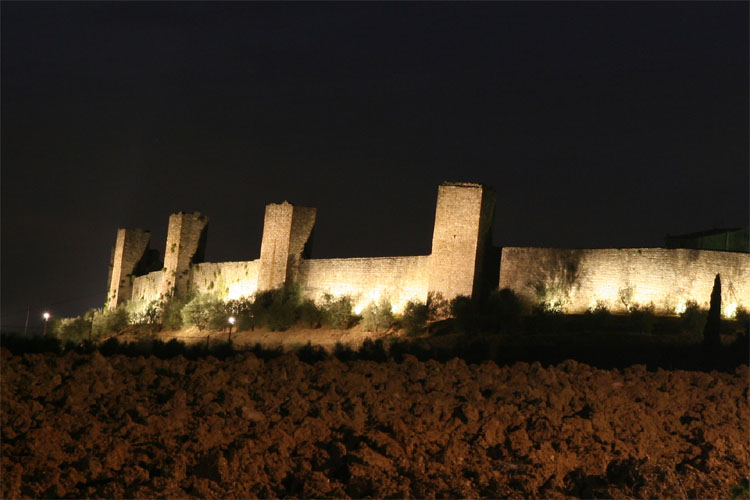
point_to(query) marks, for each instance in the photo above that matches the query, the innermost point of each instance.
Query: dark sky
(598, 124)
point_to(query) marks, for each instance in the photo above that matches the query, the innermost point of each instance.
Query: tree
(711, 339)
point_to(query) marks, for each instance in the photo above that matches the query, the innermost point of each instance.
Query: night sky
(598, 124)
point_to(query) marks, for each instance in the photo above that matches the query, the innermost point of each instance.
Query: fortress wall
(665, 277)
(226, 280)
(129, 248)
(367, 279)
(186, 241)
(147, 288)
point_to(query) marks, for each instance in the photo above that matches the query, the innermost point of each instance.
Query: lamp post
(46, 316)
(231, 322)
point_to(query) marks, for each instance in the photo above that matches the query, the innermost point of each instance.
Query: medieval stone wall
(147, 288)
(462, 220)
(366, 280)
(186, 238)
(226, 280)
(667, 278)
(130, 246)
(286, 229)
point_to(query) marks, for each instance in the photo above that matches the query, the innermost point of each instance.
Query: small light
(46, 316)
(231, 320)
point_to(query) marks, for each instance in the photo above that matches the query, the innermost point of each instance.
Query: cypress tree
(711, 339)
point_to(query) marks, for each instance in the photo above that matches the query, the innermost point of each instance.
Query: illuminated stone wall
(286, 229)
(226, 280)
(130, 246)
(668, 278)
(463, 218)
(186, 241)
(147, 288)
(366, 280)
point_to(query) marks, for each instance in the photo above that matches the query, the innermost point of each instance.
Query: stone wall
(463, 218)
(130, 246)
(186, 241)
(226, 280)
(366, 280)
(147, 288)
(668, 278)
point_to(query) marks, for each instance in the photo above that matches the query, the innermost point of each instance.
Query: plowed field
(78, 426)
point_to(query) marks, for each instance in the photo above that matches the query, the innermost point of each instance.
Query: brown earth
(79, 426)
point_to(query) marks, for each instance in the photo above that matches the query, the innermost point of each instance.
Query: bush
(204, 311)
(75, 329)
(310, 316)
(415, 318)
(277, 309)
(642, 318)
(343, 352)
(311, 354)
(111, 321)
(438, 307)
(693, 318)
(170, 315)
(373, 351)
(377, 317)
(598, 317)
(465, 315)
(241, 309)
(337, 313)
(503, 310)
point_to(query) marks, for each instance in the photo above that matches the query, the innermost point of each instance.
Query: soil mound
(85, 425)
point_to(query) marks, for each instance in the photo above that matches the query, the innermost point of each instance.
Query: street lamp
(231, 322)
(46, 316)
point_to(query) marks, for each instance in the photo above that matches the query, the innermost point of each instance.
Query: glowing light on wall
(241, 289)
(681, 307)
(730, 311)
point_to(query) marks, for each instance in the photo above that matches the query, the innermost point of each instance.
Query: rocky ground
(84, 425)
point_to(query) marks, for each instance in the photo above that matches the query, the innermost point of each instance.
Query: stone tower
(186, 244)
(463, 219)
(129, 249)
(286, 231)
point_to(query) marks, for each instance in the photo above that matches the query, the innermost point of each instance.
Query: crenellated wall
(462, 262)
(668, 278)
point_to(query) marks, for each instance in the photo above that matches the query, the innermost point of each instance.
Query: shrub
(438, 307)
(373, 351)
(465, 315)
(277, 309)
(75, 329)
(311, 354)
(598, 316)
(693, 318)
(642, 318)
(107, 322)
(343, 352)
(415, 318)
(310, 316)
(171, 312)
(241, 309)
(376, 317)
(337, 313)
(503, 310)
(204, 311)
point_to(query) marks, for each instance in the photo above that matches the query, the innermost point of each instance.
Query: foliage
(598, 317)
(503, 310)
(711, 333)
(241, 309)
(107, 322)
(438, 307)
(742, 490)
(465, 314)
(377, 317)
(277, 309)
(310, 315)
(642, 317)
(693, 318)
(337, 312)
(204, 311)
(373, 351)
(170, 314)
(311, 354)
(75, 329)
(415, 317)
(554, 279)
(626, 295)
(343, 352)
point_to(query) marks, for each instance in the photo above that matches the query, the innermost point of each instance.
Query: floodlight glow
(231, 320)
(46, 316)
(730, 311)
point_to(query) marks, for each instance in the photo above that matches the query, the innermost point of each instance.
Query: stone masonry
(286, 231)
(463, 218)
(186, 242)
(130, 246)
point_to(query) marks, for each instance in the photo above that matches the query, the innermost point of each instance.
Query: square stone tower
(186, 244)
(463, 219)
(129, 249)
(286, 231)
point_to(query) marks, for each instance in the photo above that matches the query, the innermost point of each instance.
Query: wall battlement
(460, 263)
